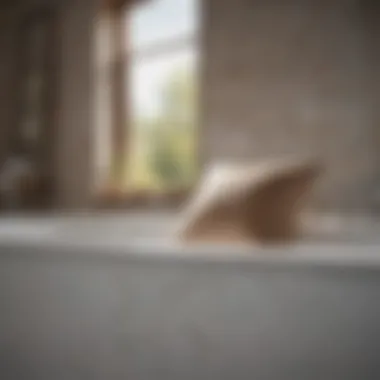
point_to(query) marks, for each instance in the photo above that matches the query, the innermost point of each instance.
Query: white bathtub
(114, 298)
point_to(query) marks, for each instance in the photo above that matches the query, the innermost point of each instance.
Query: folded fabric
(250, 202)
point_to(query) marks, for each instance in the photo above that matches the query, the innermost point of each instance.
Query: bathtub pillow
(252, 202)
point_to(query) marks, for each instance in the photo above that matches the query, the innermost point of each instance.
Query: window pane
(158, 20)
(164, 119)
(150, 77)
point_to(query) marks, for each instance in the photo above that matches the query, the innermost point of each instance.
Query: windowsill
(117, 200)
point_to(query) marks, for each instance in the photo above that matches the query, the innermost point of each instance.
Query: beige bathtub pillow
(253, 202)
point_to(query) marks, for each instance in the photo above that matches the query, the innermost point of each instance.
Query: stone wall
(75, 125)
(7, 63)
(285, 77)
(74, 113)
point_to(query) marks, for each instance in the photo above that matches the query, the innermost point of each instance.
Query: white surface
(153, 235)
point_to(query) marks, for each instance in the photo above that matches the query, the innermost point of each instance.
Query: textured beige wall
(284, 77)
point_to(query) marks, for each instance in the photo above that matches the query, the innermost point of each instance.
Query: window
(161, 83)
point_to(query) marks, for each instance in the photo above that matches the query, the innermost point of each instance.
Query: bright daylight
(163, 94)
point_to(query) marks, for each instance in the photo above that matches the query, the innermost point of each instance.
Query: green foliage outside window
(165, 154)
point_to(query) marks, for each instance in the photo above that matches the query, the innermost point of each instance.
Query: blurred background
(120, 103)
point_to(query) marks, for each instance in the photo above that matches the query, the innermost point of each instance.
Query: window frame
(117, 69)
